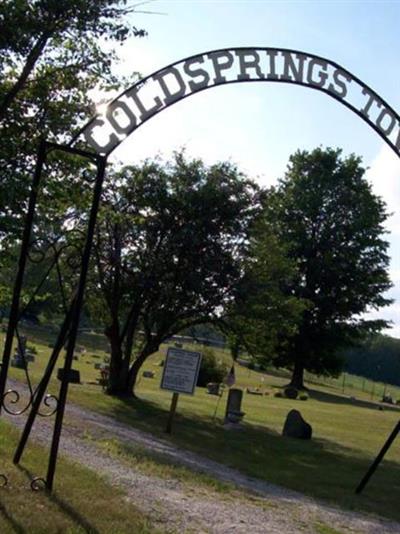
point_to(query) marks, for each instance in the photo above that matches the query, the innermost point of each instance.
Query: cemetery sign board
(181, 369)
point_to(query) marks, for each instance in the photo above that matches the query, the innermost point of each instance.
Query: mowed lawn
(66, 509)
(347, 432)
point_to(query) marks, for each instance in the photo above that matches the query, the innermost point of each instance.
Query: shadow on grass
(63, 505)
(319, 468)
(17, 527)
(324, 396)
(73, 514)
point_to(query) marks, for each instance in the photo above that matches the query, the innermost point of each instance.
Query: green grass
(347, 432)
(66, 509)
(158, 465)
(322, 528)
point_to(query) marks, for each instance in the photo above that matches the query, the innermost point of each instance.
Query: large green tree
(331, 222)
(167, 255)
(262, 313)
(52, 54)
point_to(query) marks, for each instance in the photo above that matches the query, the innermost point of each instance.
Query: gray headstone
(213, 388)
(21, 346)
(74, 376)
(148, 374)
(29, 357)
(233, 412)
(18, 362)
(296, 427)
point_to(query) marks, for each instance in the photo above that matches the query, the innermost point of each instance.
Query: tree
(332, 224)
(262, 314)
(52, 55)
(377, 358)
(167, 255)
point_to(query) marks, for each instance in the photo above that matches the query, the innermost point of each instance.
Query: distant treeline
(377, 359)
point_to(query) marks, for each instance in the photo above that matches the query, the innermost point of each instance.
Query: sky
(259, 125)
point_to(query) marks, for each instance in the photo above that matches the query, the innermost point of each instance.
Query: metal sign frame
(124, 115)
(172, 351)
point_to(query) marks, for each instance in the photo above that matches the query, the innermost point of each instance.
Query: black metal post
(41, 389)
(14, 311)
(101, 163)
(378, 459)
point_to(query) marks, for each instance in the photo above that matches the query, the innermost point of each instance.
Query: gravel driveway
(254, 507)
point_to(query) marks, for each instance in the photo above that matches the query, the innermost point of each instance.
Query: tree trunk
(134, 370)
(297, 380)
(118, 382)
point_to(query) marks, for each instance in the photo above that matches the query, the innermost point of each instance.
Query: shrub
(279, 394)
(211, 370)
(303, 396)
(32, 348)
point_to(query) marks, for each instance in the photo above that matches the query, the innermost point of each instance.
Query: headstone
(74, 376)
(19, 361)
(254, 391)
(29, 356)
(296, 427)
(148, 374)
(233, 412)
(291, 392)
(213, 388)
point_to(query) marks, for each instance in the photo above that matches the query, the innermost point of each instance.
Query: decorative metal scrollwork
(11, 398)
(50, 401)
(38, 484)
(50, 253)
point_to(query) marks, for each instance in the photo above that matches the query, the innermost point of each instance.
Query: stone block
(296, 427)
(74, 376)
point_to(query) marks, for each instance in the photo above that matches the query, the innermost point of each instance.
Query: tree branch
(30, 63)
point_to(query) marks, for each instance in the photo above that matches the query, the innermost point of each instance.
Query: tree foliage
(332, 225)
(263, 313)
(211, 369)
(52, 54)
(377, 358)
(167, 255)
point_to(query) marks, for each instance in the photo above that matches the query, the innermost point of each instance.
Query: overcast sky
(258, 125)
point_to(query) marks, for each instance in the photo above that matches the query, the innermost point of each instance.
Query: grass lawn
(347, 433)
(66, 509)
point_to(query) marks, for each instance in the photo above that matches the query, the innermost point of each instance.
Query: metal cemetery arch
(125, 114)
(181, 79)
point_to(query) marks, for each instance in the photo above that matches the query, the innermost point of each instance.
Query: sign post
(181, 370)
(172, 410)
